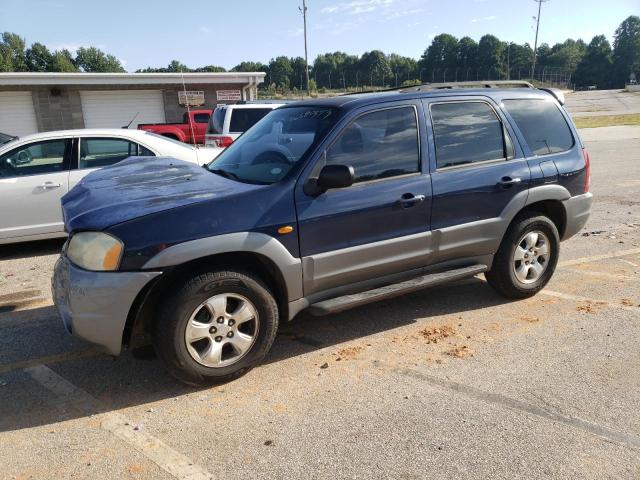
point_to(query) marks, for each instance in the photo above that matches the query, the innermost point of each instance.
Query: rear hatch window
(242, 119)
(216, 122)
(542, 124)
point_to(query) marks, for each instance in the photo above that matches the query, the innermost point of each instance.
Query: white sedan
(37, 170)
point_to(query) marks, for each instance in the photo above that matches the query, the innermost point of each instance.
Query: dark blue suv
(322, 205)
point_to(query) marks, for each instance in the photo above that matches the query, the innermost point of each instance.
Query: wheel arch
(142, 313)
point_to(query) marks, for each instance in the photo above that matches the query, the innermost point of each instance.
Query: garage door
(116, 108)
(17, 115)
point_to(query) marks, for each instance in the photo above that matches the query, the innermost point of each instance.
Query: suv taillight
(587, 170)
(223, 142)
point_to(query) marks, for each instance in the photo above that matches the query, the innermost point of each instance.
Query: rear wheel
(216, 327)
(527, 257)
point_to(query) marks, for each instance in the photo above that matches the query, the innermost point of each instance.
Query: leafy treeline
(15, 57)
(446, 59)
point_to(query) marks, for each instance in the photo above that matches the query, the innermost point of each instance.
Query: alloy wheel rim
(531, 257)
(221, 330)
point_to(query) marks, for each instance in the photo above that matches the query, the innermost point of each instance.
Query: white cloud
(356, 7)
(295, 33)
(404, 13)
(483, 19)
(205, 29)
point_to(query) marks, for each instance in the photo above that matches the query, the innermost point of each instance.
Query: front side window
(543, 126)
(101, 152)
(242, 119)
(272, 147)
(379, 145)
(467, 133)
(35, 158)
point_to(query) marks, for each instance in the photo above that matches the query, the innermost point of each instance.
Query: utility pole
(303, 10)
(535, 44)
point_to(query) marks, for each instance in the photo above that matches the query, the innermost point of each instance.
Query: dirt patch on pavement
(529, 319)
(437, 334)
(587, 306)
(460, 351)
(627, 302)
(348, 353)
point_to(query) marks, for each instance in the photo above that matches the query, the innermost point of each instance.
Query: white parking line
(619, 253)
(613, 276)
(567, 296)
(154, 449)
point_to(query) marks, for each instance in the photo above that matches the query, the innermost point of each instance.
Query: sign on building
(226, 95)
(193, 99)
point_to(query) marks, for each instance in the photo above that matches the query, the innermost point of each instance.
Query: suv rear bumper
(94, 305)
(577, 209)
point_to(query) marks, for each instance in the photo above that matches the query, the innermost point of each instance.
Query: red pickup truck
(192, 129)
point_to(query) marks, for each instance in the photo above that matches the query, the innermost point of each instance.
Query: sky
(145, 33)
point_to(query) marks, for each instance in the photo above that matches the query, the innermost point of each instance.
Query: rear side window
(217, 121)
(101, 152)
(201, 118)
(542, 124)
(466, 133)
(242, 119)
(379, 145)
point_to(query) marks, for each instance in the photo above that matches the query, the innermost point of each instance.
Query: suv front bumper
(94, 305)
(577, 209)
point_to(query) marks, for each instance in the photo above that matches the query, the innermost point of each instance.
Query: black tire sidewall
(176, 311)
(549, 229)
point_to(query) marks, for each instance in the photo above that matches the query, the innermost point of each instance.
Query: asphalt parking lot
(452, 382)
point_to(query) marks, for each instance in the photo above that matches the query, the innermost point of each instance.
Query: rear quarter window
(544, 127)
(242, 119)
(216, 122)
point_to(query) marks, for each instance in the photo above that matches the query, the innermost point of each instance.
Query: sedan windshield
(273, 146)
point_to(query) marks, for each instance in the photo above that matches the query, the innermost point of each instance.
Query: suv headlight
(95, 251)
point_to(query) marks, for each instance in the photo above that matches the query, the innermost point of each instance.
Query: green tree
(440, 58)
(375, 68)
(250, 67)
(38, 58)
(491, 57)
(13, 53)
(467, 55)
(297, 78)
(402, 68)
(281, 70)
(626, 50)
(92, 59)
(566, 55)
(63, 61)
(211, 68)
(520, 57)
(595, 66)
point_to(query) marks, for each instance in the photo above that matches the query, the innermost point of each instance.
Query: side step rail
(338, 304)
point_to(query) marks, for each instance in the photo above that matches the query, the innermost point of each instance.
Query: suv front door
(380, 225)
(33, 179)
(477, 173)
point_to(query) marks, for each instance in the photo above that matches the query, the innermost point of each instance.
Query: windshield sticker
(313, 114)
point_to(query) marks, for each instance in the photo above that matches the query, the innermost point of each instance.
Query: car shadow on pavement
(38, 248)
(27, 336)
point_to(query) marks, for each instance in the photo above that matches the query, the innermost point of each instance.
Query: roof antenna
(134, 117)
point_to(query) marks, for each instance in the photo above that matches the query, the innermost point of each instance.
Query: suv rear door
(477, 170)
(380, 225)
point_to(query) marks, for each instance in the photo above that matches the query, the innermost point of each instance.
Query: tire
(520, 269)
(205, 305)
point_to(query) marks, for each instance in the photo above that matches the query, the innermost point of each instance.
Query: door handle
(49, 185)
(409, 199)
(508, 181)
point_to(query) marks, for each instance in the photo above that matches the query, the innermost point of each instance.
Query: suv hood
(134, 188)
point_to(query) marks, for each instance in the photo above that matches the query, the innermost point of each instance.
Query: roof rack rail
(475, 84)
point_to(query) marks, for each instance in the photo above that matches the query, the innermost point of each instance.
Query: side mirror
(331, 176)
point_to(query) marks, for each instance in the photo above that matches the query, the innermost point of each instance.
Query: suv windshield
(271, 148)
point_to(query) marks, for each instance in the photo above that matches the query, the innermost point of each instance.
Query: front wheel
(216, 327)
(527, 257)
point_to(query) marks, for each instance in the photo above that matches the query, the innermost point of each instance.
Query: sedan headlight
(95, 251)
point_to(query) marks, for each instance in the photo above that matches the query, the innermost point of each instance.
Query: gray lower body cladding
(94, 305)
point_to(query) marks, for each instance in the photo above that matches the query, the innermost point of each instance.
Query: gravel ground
(453, 382)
